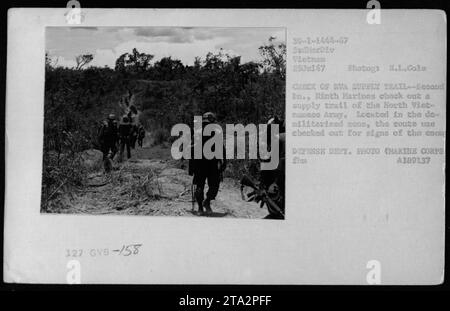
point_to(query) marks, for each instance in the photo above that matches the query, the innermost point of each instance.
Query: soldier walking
(206, 170)
(124, 136)
(108, 138)
(141, 135)
(133, 130)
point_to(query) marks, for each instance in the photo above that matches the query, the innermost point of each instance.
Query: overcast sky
(183, 43)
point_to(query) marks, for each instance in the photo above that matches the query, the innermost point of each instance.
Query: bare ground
(151, 183)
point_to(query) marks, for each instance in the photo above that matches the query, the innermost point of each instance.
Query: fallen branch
(54, 191)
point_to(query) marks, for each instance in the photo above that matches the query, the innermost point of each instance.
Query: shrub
(160, 136)
(61, 171)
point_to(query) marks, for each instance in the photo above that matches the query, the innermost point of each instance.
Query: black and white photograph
(112, 96)
(230, 147)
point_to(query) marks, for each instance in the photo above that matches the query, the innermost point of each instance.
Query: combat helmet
(209, 117)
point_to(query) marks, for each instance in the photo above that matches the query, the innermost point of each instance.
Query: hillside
(165, 92)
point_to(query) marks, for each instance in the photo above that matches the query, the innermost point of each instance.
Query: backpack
(141, 132)
(106, 131)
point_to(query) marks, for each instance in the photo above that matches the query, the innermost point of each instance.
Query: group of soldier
(119, 136)
(270, 189)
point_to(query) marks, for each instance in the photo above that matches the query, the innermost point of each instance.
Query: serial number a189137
(246, 300)
(414, 160)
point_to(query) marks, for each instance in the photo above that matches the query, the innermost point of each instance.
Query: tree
(274, 57)
(168, 69)
(133, 62)
(50, 63)
(83, 60)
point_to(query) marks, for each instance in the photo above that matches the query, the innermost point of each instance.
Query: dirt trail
(151, 183)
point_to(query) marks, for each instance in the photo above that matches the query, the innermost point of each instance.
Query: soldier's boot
(200, 206)
(199, 199)
(207, 205)
(106, 166)
(106, 163)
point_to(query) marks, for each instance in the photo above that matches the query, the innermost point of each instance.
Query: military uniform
(206, 171)
(125, 128)
(108, 138)
(273, 181)
(141, 135)
(133, 131)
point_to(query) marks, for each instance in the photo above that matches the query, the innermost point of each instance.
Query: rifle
(258, 192)
(193, 194)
